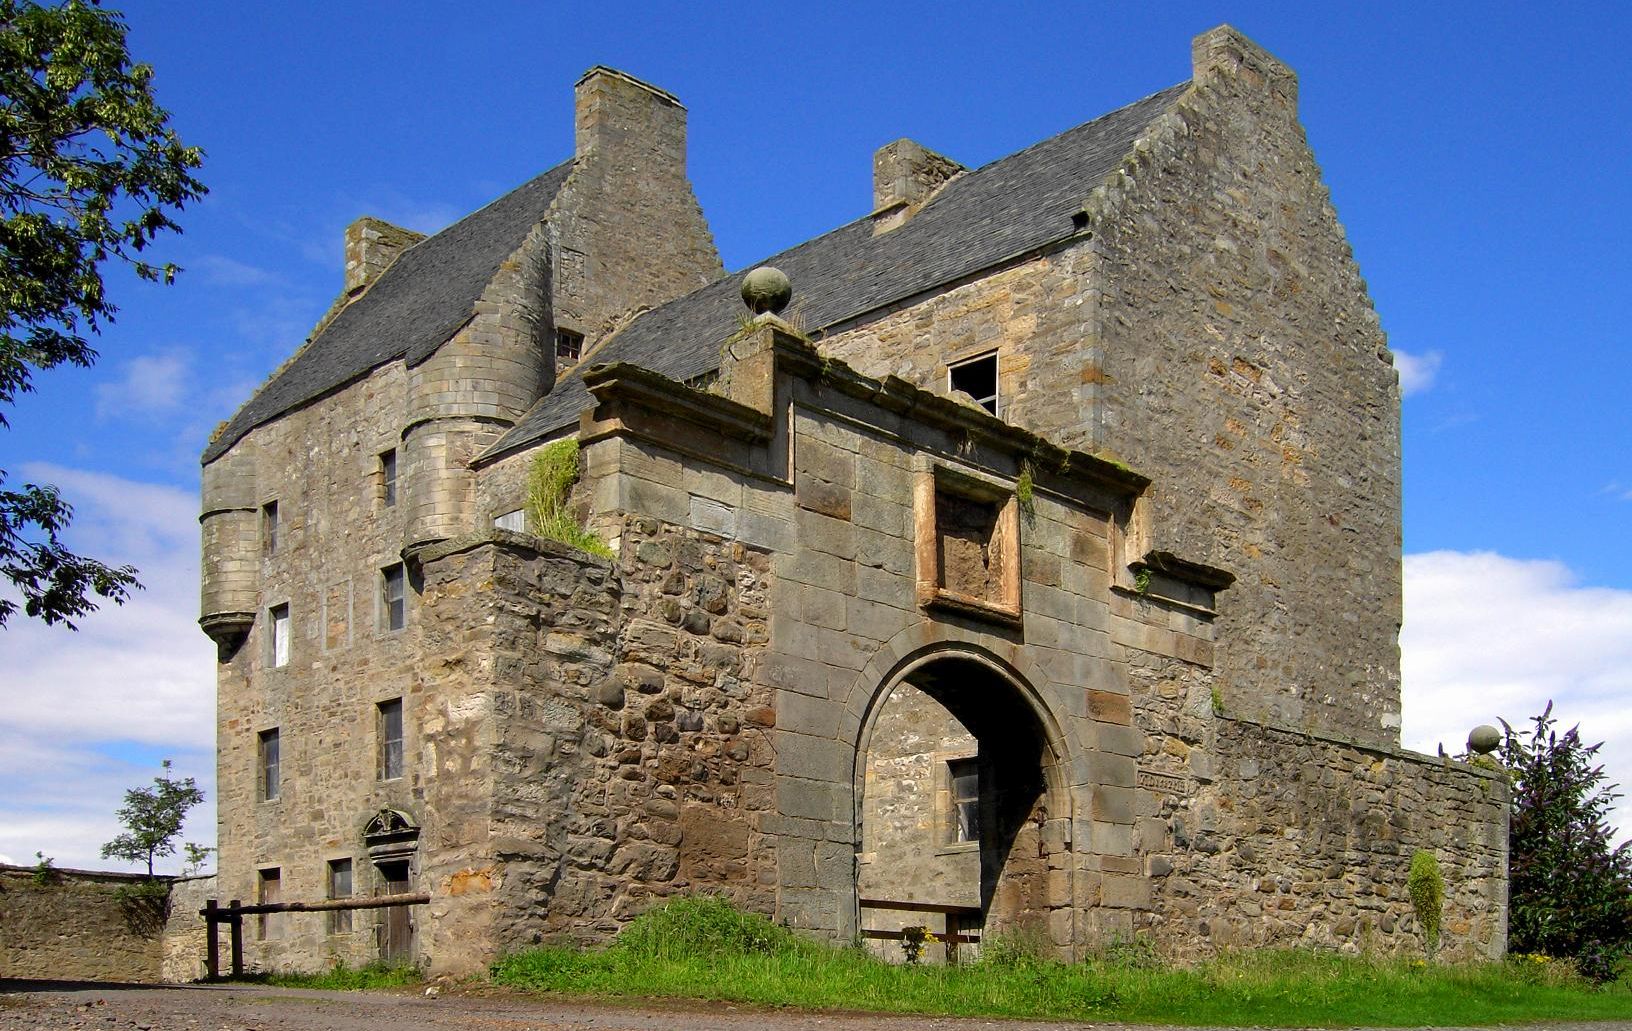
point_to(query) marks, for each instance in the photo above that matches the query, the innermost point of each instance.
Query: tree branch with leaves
(90, 172)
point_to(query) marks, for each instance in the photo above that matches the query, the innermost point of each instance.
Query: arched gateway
(963, 803)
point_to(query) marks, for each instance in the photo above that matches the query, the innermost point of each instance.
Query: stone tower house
(1046, 576)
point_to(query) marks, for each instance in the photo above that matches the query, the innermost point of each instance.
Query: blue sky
(1477, 154)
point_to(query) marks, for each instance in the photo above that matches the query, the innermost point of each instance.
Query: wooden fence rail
(233, 914)
(954, 932)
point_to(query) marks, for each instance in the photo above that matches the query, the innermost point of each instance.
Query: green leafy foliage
(549, 485)
(1426, 887)
(90, 171)
(703, 926)
(152, 818)
(1570, 887)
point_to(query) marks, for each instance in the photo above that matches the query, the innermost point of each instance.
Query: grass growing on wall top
(703, 949)
(549, 484)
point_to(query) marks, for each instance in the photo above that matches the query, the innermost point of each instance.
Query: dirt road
(36, 1006)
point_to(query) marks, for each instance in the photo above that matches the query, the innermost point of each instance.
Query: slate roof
(996, 212)
(414, 307)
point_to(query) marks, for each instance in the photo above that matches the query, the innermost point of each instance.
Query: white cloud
(1488, 636)
(1417, 372)
(148, 386)
(89, 714)
(219, 270)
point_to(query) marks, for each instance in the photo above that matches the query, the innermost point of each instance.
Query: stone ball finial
(1483, 739)
(766, 289)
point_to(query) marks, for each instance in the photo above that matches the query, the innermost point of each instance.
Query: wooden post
(236, 919)
(212, 943)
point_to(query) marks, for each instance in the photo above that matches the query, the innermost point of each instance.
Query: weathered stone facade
(848, 607)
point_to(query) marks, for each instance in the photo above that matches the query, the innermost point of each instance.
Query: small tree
(1570, 889)
(153, 818)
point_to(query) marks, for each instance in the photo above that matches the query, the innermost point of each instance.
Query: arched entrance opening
(962, 811)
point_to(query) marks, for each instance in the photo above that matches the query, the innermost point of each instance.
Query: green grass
(702, 949)
(343, 978)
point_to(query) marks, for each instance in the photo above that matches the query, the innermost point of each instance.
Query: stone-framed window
(976, 377)
(569, 345)
(339, 887)
(388, 724)
(268, 782)
(269, 529)
(388, 477)
(962, 801)
(393, 597)
(268, 889)
(277, 640)
(514, 520)
(967, 536)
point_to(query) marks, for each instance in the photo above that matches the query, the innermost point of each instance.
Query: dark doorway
(953, 802)
(396, 926)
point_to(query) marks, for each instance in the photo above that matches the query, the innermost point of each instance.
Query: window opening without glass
(269, 528)
(393, 607)
(976, 377)
(269, 888)
(340, 888)
(390, 735)
(268, 751)
(388, 477)
(279, 616)
(963, 777)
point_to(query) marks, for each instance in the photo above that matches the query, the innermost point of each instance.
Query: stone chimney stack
(1225, 51)
(905, 175)
(615, 110)
(627, 232)
(372, 244)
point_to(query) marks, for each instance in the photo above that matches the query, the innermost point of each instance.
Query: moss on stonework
(549, 484)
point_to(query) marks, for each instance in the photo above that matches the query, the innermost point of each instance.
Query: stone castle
(1037, 569)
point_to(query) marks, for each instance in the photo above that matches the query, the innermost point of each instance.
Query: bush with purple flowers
(1570, 893)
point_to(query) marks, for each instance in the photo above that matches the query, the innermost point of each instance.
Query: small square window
(267, 751)
(269, 889)
(278, 650)
(568, 345)
(516, 521)
(393, 603)
(339, 888)
(976, 377)
(388, 478)
(389, 730)
(269, 528)
(963, 783)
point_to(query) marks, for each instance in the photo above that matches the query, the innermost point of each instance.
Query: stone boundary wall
(71, 925)
(184, 934)
(1303, 840)
(619, 722)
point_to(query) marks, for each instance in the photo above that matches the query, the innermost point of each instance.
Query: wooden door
(396, 926)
